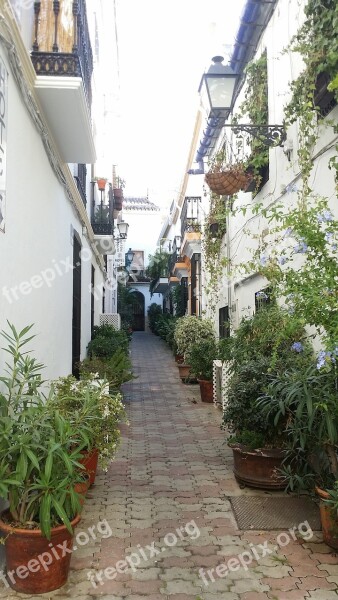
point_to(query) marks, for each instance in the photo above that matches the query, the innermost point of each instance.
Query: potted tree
(189, 330)
(263, 346)
(39, 469)
(202, 355)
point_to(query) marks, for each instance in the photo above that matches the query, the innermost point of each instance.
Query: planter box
(329, 520)
(206, 389)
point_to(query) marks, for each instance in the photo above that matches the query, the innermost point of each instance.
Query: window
(223, 322)
(324, 99)
(262, 298)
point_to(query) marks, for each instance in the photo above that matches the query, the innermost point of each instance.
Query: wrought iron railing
(102, 217)
(174, 258)
(191, 214)
(80, 179)
(61, 41)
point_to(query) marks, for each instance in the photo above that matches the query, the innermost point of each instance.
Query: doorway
(138, 305)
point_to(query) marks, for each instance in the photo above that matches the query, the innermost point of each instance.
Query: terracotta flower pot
(179, 358)
(184, 370)
(82, 489)
(89, 461)
(101, 184)
(207, 390)
(329, 520)
(259, 468)
(37, 565)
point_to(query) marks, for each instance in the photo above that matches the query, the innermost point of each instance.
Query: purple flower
(263, 259)
(301, 247)
(325, 216)
(297, 347)
(287, 232)
(282, 260)
(324, 358)
(328, 236)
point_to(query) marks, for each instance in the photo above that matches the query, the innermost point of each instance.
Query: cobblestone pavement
(166, 501)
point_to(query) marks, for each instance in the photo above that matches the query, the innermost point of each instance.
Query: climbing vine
(214, 231)
(255, 108)
(317, 43)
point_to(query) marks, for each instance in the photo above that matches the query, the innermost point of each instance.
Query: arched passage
(138, 310)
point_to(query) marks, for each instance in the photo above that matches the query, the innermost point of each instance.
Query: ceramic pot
(259, 468)
(89, 461)
(31, 559)
(207, 390)
(329, 520)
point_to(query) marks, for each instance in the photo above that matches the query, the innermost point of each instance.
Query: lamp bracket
(269, 135)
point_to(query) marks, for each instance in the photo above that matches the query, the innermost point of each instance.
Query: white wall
(38, 243)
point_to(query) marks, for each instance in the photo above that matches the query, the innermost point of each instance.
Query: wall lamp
(129, 257)
(217, 89)
(123, 227)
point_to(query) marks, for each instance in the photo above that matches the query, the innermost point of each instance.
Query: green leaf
(61, 513)
(45, 515)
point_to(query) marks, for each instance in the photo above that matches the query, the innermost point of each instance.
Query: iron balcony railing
(61, 41)
(174, 258)
(191, 215)
(102, 215)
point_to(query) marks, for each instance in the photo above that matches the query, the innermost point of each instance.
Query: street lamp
(129, 256)
(123, 227)
(218, 90)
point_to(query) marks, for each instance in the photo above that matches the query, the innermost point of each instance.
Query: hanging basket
(228, 181)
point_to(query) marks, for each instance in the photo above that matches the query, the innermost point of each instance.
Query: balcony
(103, 224)
(191, 226)
(161, 285)
(62, 59)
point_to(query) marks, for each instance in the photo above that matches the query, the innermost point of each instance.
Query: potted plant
(306, 400)
(97, 409)
(263, 346)
(118, 193)
(39, 469)
(202, 355)
(101, 183)
(224, 178)
(189, 330)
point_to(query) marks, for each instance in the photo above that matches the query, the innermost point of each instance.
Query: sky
(163, 48)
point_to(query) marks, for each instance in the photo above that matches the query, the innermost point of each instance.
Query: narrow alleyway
(166, 503)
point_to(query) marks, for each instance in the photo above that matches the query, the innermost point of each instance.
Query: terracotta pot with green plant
(190, 330)
(202, 355)
(39, 469)
(307, 399)
(262, 347)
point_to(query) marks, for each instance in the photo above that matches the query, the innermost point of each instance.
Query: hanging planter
(228, 180)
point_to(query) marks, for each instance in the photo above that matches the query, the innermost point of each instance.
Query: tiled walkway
(165, 502)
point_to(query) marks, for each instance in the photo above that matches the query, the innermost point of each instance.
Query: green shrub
(201, 358)
(154, 312)
(190, 330)
(116, 370)
(104, 346)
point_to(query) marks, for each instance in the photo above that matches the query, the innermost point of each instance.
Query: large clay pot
(207, 390)
(89, 461)
(179, 358)
(82, 489)
(259, 468)
(32, 558)
(184, 370)
(329, 520)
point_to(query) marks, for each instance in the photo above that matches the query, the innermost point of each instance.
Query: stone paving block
(180, 587)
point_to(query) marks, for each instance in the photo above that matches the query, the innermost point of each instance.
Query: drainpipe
(228, 255)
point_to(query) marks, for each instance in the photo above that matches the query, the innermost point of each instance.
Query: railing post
(56, 10)
(75, 14)
(37, 6)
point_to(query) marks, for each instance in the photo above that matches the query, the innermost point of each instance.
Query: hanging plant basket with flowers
(228, 180)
